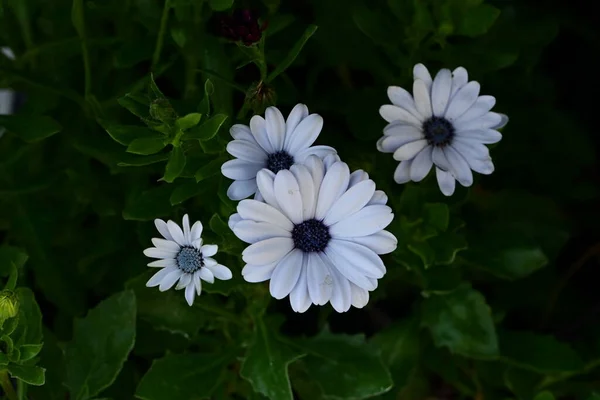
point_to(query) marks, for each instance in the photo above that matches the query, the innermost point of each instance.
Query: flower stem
(7, 386)
(161, 33)
(21, 390)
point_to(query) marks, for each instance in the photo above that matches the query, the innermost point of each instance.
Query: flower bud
(9, 305)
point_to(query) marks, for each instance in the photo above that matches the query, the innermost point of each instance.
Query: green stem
(7, 386)
(21, 390)
(161, 33)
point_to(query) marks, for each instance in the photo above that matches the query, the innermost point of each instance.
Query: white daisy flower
(272, 143)
(444, 123)
(7, 96)
(317, 235)
(183, 258)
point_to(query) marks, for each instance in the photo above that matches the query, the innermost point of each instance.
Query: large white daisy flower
(443, 123)
(183, 258)
(272, 143)
(317, 235)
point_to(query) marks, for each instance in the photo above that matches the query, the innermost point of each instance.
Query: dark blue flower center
(311, 236)
(438, 131)
(280, 160)
(189, 259)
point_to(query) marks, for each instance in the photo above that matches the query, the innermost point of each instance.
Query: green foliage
(124, 117)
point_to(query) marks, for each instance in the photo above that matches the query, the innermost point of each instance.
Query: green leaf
(77, 17)
(137, 104)
(12, 260)
(184, 376)
(220, 5)
(134, 161)
(187, 191)
(29, 329)
(289, 59)
(29, 374)
(52, 359)
(218, 226)
(207, 130)
(146, 146)
(345, 366)
(375, 25)
(28, 351)
(154, 88)
(436, 215)
(266, 364)
(545, 395)
(149, 204)
(175, 165)
(539, 353)
(30, 128)
(101, 343)
(125, 134)
(462, 321)
(209, 170)
(477, 20)
(204, 106)
(188, 121)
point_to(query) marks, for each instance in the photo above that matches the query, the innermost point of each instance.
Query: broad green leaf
(188, 121)
(30, 374)
(209, 170)
(345, 366)
(462, 321)
(125, 134)
(545, 395)
(149, 204)
(436, 215)
(52, 359)
(293, 53)
(175, 165)
(207, 130)
(539, 353)
(220, 5)
(477, 20)
(134, 161)
(184, 376)
(100, 345)
(451, 368)
(524, 384)
(187, 191)
(30, 128)
(146, 146)
(218, 226)
(137, 104)
(266, 364)
(29, 329)
(446, 246)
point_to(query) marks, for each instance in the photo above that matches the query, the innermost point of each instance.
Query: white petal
(288, 196)
(463, 100)
(319, 151)
(382, 242)
(356, 177)
(239, 169)
(220, 272)
(262, 212)
(460, 77)
(162, 228)
(196, 231)
(307, 190)
(487, 136)
(305, 133)
(409, 132)
(401, 98)
(299, 298)
(486, 121)
(422, 98)
(206, 275)
(347, 267)
(503, 121)
(189, 294)
(258, 126)
(157, 278)
(169, 280)
(446, 182)
(275, 125)
(248, 151)
(410, 150)
(421, 72)
(185, 280)
(298, 113)
(341, 296)
(440, 92)
(485, 167)
(365, 222)
(197, 282)
(318, 279)
(389, 144)
(421, 165)
(267, 251)
(353, 200)
(252, 232)
(258, 273)
(460, 167)
(482, 105)
(239, 190)
(379, 197)
(440, 160)
(363, 258)
(334, 185)
(317, 170)
(154, 252)
(163, 244)
(286, 274)
(402, 172)
(470, 149)
(176, 232)
(209, 262)
(265, 182)
(242, 132)
(186, 228)
(168, 262)
(392, 113)
(360, 297)
(209, 250)
(233, 220)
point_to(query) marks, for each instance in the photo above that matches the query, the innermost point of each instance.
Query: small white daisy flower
(317, 235)
(272, 143)
(183, 258)
(444, 123)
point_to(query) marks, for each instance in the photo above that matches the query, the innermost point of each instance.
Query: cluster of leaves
(126, 117)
